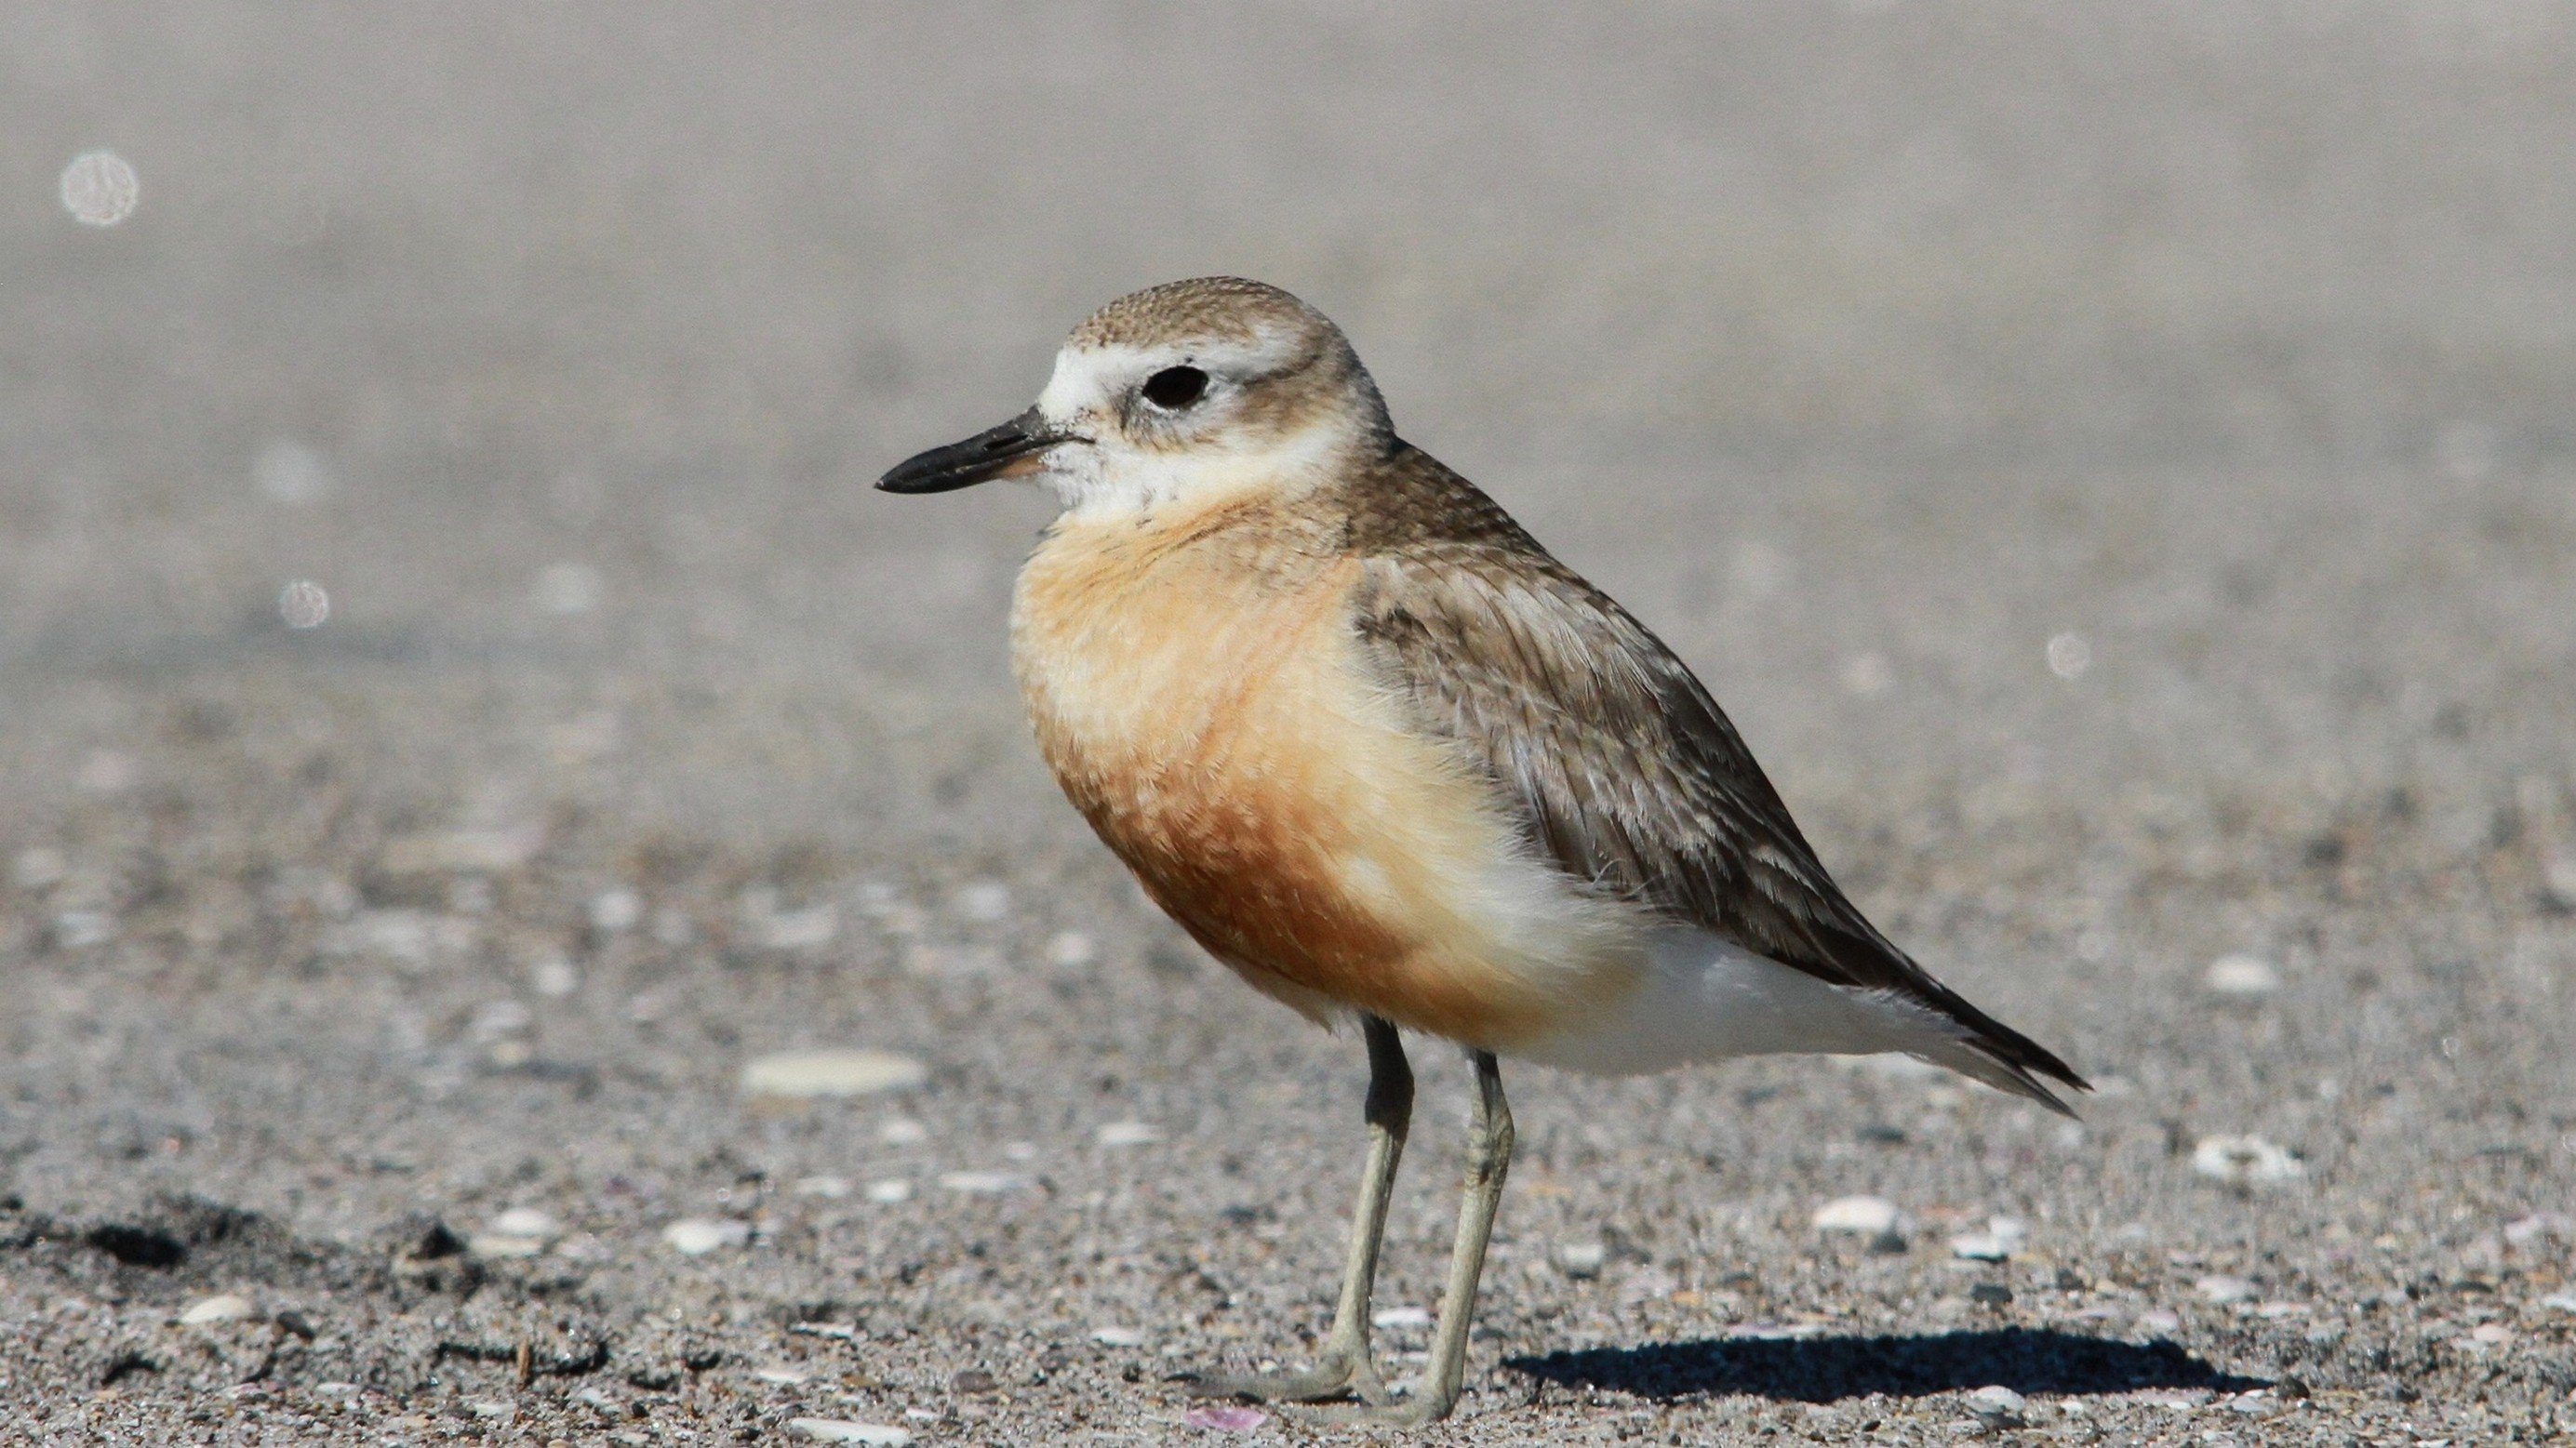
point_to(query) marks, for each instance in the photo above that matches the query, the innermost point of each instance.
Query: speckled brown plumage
(1384, 756)
(1613, 757)
(1233, 308)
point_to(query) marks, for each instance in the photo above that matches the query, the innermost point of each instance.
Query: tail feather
(1972, 1056)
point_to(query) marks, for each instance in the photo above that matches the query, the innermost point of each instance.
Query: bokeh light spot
(303, 604)
(100, 189)
(2069, 656)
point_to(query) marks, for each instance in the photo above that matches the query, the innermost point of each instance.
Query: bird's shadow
(1826, 1369)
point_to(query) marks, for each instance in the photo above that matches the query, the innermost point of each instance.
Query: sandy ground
(2114, 468)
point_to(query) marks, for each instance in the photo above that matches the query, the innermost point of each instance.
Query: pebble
(81, 929)
(890, 1190)
(2241, 975)
(222, 1307)
(2245, 1161)
(1996, 1398)
(783, 1377)
(697, 1236)
(1580, 1260)
(2559, 870)
(822, 1186)
(1118, 1336)
(1226, 1420)
(1867, 1216)
(1071, 950)
(38, 868)
(2002, 1237)
(2522, 1232)
(490, 1408)
(983, 1183)
(1403, 1317)
(2560, 1302)
(984, 901)
(844, 1430)
(504, 1244)
(2160, 1320)
(525, 1222)
(2223, 1289)
(808, 929)
(494, 1020)
(902, 1131)
(615, 910)
(831, 1073)
(554, 977)
(1129, 1133)
(408, 936)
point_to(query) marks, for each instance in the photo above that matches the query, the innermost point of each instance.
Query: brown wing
(1626, 772)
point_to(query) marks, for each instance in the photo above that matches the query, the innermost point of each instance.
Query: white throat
(1108, 475)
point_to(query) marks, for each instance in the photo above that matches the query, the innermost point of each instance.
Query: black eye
(1174, 388)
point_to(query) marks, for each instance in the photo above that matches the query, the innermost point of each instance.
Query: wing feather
(1622, 768)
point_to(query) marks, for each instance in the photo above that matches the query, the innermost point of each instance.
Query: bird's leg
(1489, 1159)
(1344, 1365)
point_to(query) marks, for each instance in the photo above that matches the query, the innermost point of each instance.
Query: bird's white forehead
(1089, 376)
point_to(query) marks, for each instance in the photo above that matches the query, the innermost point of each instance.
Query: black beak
(1008, 451)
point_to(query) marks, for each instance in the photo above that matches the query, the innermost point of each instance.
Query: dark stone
(137, 1246)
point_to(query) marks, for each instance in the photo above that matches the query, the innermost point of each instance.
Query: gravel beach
(528, 913)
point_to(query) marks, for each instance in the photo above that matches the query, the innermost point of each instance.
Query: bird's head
(1175, 393)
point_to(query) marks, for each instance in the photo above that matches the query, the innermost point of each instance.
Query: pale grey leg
(1489, 1159)
(1343, 1365)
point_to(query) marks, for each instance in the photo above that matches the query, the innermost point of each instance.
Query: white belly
(1708, 999)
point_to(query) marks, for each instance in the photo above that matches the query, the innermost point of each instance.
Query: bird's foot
(1389, 1413)
(1338, 1372)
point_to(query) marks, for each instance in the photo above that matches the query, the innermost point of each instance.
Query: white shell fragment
(983, 1183)
(831, 1073)
(2242, 976)
(843, 1430)
(697, 1236)
(1580, 1259)
(2002, 1237)
(1867, 1216)
(2248, 1161)
(222, 1307)
(2222, 1289)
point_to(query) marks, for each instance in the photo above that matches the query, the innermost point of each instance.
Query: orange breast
(1197, 692)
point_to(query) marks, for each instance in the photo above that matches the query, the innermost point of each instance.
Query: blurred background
(559, 345)
(2115, 462)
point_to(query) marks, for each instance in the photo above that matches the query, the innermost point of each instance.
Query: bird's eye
(1174, 388)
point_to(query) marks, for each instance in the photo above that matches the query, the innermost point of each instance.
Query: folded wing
(1625, 771)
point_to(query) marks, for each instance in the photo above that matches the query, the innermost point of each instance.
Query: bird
(1390, 760)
